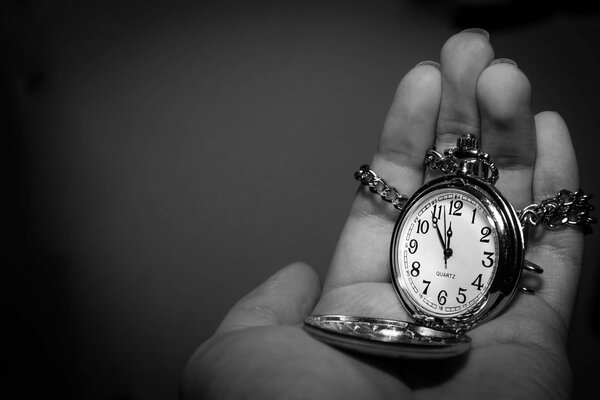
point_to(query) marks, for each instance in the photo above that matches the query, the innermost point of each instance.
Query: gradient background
(162, 158)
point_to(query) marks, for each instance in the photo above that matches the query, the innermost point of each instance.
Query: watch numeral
(415, 269)
(437, 210)
(473, 217)
(422, 226)
(413, 246)
(485, 231)
(442, 296)
(489, 258)
(461, 298)
(427, 283)
(477, 282)
(455, 207)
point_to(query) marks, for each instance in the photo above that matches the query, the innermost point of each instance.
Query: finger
(464, 56)
(508, 128)
(285, 298)
(559, 252)
(363, 249)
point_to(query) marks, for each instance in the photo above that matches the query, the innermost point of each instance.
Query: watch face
(448, 252)
(457, 253)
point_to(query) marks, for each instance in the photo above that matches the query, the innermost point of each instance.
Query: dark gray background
(163, 158)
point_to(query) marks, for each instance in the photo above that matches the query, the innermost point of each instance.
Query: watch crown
(467, 142)
(464, 159)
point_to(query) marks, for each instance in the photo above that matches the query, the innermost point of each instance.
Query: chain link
(377, 185)
(478, 164)
(566, 208)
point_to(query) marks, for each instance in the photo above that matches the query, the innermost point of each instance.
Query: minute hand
(434, 220)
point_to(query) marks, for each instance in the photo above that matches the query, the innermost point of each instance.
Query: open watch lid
(386, 337)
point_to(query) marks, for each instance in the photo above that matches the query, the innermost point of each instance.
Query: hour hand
(447, 249)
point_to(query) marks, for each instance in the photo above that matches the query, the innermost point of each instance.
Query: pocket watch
(457, 255)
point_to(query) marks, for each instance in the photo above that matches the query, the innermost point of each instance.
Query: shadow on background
(163, 158)
(499, 14)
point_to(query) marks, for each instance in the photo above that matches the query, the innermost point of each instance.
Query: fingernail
(429, 62)
(504, 61)
(479, 31)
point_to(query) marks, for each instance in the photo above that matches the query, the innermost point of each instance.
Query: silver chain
(566, 208)
(377, 185)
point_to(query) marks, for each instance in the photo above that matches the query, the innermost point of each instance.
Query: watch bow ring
(457, 255)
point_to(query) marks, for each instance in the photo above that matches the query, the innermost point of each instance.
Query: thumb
(285, 298)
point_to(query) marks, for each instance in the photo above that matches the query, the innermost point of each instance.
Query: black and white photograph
(300, 199)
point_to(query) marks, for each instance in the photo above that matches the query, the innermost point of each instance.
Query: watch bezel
(510, 258)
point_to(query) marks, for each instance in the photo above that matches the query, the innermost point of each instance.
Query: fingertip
(553, 136)
(504, 92)
(556, 163)
(410, 126)
(421, 82)
(545, 119)
(467, 42)
(302, 270)
(304, 275)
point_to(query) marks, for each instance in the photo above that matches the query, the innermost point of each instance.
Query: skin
(260, 352)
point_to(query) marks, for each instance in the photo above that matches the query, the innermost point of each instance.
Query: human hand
(260, 351)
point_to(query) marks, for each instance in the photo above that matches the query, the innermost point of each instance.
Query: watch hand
(445, 231)
(434, 221)
(448, 251)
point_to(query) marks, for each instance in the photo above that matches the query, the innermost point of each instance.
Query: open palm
(259, 351)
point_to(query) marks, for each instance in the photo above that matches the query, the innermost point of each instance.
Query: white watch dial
(447, 253)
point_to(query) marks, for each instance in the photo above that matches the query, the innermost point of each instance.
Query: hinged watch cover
(386, 337)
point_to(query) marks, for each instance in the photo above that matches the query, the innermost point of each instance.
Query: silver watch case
(510, 258)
